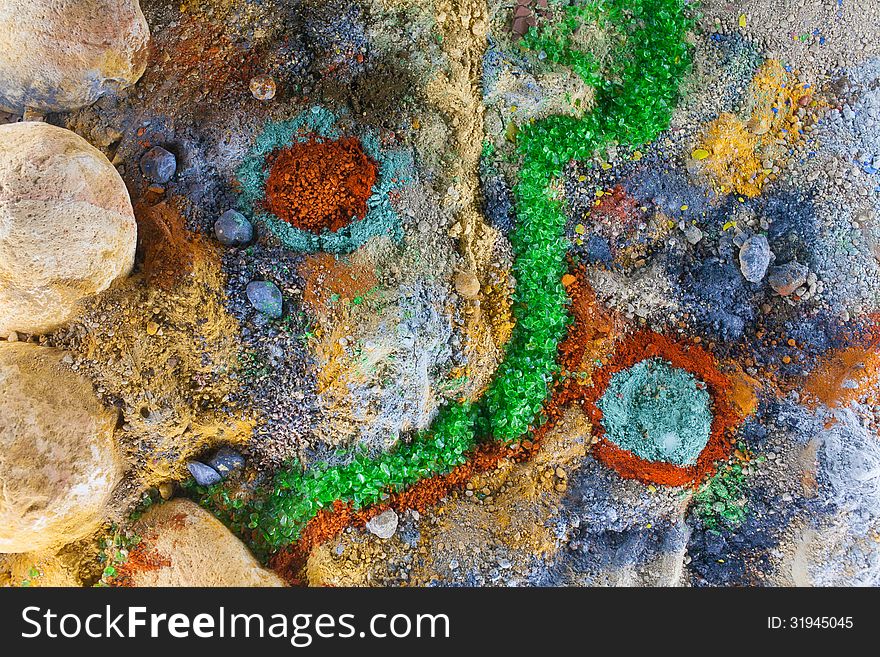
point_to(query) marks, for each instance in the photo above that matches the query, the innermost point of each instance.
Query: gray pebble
(233, 229)
(787, 278)
(384, 525)
(693, 234)
(226, 460)
(754, 258)
(266, 298)
(158, 165)
(204, 475)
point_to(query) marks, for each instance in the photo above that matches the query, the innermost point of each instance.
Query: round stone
(263, 87)
(383, 525)
(266, 298)
(58, 55)
(657, 412)
(233, 229)
(158, 165)
(67, 228)
(467, 284)
(58, 459)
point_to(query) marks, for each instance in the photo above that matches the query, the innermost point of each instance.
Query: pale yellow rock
(59, 55)
(187, 546)
(58, 460)
(467, 284)
(67, 228)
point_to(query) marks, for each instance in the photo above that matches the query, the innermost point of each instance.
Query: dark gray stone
(233, 229)
(754, 258)
(786, 278)
(226, 460)
(158, 165)
(383, 525)
(266, 298)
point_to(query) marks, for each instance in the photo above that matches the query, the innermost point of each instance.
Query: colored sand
(651, 63)
(317, 185)
(735, 150)
(657, 412)
(392, 169)
(725, 416)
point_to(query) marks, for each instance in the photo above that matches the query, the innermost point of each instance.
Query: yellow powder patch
(743, 389)
(739, 153)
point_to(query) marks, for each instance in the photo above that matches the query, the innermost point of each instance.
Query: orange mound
(320, 185)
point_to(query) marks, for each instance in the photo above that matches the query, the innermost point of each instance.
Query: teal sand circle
(657, 412)
(394, 169)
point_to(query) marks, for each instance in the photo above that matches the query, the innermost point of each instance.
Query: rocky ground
(223, 344)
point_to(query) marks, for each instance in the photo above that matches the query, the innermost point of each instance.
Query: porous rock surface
(58, 460)
(60, 55)
(67, 228)
(184, 545)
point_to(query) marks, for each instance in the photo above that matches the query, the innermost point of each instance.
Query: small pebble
(158, 165)
(226, 460)
(166, 490)
(788, 277)
(233, 229)
(383, 525)
(266, 298)
(263, 87)
(754, 258)
(204, 475)
(693, 234)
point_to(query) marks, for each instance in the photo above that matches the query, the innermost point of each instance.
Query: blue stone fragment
(204, 475)
(226, 460)
(266, 298)
(158, 165)
(233, 229)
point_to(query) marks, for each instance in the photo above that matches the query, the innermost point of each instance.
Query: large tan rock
(67, 228)
(59, 55)
(184, 545)
(58, 461)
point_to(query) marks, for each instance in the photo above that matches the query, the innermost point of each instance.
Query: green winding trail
(635, 96)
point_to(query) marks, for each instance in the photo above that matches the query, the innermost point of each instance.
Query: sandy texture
(35, 570)
(184, 545)
(815, 37)
(58, 55)
(58, 461)
(160, 346)
(456, 92)
(67, 228)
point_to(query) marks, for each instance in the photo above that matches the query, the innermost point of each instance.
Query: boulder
(58, 460)
(67, 228)
(184, 545)
(60, 55)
